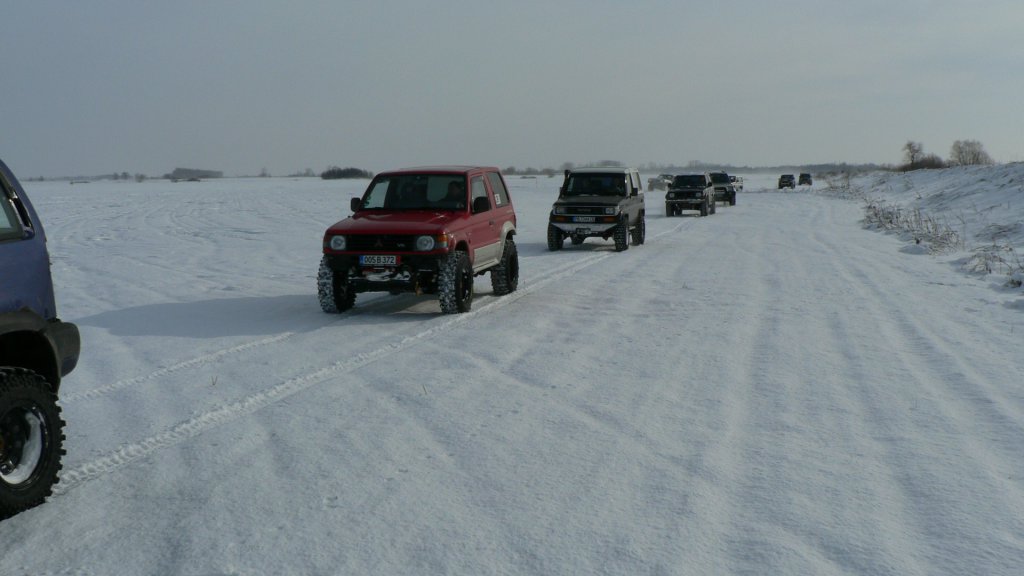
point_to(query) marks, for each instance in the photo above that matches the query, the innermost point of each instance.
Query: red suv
(426, 230)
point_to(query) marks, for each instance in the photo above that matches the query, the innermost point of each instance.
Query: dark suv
(690, 192)
(36, 351)
(725, 187)
(598, 202)
(787, 181)
(425, 230)
(804, 180)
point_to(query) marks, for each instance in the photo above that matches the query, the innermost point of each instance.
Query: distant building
(187, 173)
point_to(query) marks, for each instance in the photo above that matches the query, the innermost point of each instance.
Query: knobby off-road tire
(31, 440)
(505, 276)
(555, 238)
(621, 235)
(640, 231)
(704, 208)
(455, 283)
(714, 206)
(333, 289)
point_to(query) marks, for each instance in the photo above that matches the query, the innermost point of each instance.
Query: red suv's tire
(333, 290)
(505, 276)
(455, 283)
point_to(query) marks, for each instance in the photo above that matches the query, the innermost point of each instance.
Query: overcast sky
(240, 86)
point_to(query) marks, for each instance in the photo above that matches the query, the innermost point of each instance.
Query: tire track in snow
(223, 414)
(203, 360)
(209, 358)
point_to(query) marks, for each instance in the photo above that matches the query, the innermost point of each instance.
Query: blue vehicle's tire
(333, 289)
(31, 440)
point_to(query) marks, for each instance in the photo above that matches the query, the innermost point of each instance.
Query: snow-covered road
(768, 390)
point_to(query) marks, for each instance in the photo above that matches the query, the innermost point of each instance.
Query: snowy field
(773, 389)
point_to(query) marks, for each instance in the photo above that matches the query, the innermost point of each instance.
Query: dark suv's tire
(333, 289)
(555, 238)
(505, 276)
(31, 440)
(455, 283)
(621, 235)
(640, 231)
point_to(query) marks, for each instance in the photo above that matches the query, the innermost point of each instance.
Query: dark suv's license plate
(375, 260)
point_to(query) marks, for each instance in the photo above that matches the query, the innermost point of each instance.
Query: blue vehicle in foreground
(36, 350)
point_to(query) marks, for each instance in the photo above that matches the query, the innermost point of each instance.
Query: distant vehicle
(787, 181)
(37, 349)
(737, 181)
(598, 202)
(690, 192)
(660, 182)
(424, 230)
(805, 180)
(725, 190)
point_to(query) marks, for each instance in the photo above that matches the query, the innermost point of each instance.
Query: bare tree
(930, 162)
(912, 153)
(968, 153)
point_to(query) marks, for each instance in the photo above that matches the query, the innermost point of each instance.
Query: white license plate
(583, 219)
(374, 260)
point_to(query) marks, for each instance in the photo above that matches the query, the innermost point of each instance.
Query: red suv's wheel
(455, 283)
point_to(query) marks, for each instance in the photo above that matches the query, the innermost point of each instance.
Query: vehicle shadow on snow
(589, 245)
(256, 316)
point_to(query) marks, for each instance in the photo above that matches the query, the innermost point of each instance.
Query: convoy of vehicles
(37, 350)
(428, 230)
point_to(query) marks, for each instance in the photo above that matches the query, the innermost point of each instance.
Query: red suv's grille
(380, 243)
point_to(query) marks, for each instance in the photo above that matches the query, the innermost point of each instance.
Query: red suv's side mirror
(481, 204)
(356, 204)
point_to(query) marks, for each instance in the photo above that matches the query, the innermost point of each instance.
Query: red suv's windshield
(416, 192)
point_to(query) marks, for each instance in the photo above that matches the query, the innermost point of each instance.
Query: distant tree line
(335, 173)
(962, 153)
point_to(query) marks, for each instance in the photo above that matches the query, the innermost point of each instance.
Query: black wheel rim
(23, 442)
